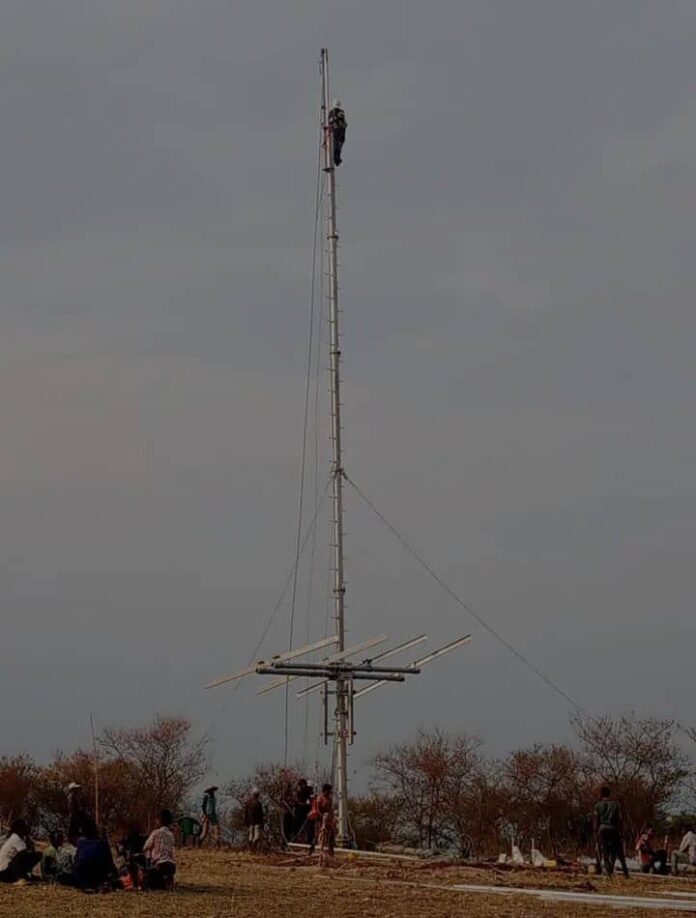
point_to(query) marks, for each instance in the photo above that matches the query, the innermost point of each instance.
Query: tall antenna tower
(339, 586)
(338, 670)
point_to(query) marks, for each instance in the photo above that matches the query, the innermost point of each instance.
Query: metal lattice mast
(339, 589)
(338, 669)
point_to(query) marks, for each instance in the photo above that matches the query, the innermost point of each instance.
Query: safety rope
(303, 462)
(315, 470)
(467, 608)
(288, 582)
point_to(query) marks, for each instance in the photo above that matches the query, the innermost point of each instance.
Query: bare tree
(169, 760)
(429, 779)
(689, 800)
(468, 786)
(374, 818)
(549, 795)
(486, 812)
(121, 800)
(18, 779)
(640, 758)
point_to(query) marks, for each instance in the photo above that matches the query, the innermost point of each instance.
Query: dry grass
(224, 884)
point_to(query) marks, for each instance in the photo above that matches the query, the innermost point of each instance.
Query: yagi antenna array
(341, 670)
(380, 656)
(336, 658)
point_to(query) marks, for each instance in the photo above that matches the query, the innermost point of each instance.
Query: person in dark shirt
(131, 850)
(608, 826)
(77, 812)
(211, 821)
(303, 805)
(94, 866)
(338, 125)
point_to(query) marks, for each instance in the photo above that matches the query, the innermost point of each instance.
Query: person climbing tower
(338, 124)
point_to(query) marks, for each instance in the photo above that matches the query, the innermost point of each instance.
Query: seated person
(49, 856)
(17, 855)
(93, 867)
(686, 853)
(65, 860)
(131, 850)
(159, 849)
(651, 860)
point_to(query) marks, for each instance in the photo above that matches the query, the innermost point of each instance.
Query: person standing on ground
(254, 818)
(77, 812)
(322, 815)
(686, 853)
(303, 805)
(159, 849)
(17, 855)
(211, 823)
(608, 826)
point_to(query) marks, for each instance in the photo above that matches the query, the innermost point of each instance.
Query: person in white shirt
(686, 853)
(16, 860)
(159, 849)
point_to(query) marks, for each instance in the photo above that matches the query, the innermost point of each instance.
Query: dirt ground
(214, 884)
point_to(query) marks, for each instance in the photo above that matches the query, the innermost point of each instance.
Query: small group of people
(148, 862)
(655, 859)
(609, 836)
(143, 862)
(307, 817)
(194, 832)
(84, 859)
(652, 859)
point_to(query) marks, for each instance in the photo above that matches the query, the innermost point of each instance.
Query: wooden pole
(95, 749)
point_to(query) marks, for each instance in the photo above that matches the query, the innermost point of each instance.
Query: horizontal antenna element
(291, 655)
(380, 656)
(418, 663)
(344, 654)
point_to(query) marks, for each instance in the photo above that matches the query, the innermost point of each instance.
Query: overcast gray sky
(517, 219)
